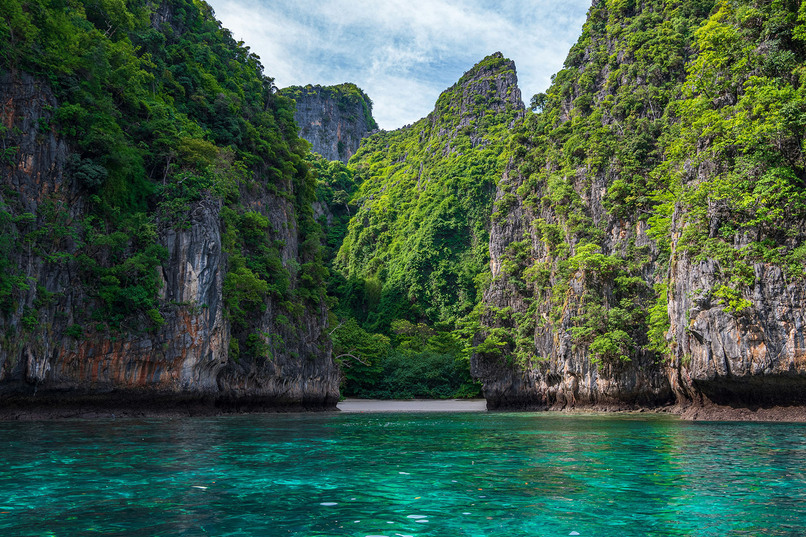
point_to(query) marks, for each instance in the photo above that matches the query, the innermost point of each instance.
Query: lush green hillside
(415, 253)
(418, 241)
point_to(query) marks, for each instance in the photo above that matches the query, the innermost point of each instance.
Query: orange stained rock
(124, 363)
(8, 113)
(27, 165)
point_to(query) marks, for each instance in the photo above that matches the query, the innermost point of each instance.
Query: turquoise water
(483, 474)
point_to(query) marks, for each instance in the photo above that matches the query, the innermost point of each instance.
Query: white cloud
(392, 100)
(403, 53)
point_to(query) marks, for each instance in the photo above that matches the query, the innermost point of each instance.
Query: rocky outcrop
(754, 357)
(52, 351)
(488, 90)
(334, 119)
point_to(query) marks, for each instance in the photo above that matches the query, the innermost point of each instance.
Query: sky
(403, 53)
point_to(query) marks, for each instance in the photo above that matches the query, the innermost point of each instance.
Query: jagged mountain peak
(488, 89)
(493, 64)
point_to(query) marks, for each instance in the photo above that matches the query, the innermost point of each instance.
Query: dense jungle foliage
(163, 109)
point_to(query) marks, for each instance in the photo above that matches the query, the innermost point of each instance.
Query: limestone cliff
(78, 324)
(44, 360)
(334, 119)
(635, 258)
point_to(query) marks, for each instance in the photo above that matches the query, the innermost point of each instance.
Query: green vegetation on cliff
(743, 121)
(600, 125)
(675, 128)
(419, 239)
(675, 131)
(162, 109)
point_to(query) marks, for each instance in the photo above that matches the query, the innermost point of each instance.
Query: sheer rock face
(185, 361)
(560, 373)
(299, 371)
(752, 358)
(564, 376)
(334, 119)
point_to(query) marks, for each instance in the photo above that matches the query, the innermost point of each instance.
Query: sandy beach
(415, 405)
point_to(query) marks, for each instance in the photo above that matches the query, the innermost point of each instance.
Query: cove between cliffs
(179, 250)
(105, 408)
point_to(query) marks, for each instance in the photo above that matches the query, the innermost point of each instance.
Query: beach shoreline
(351, 405)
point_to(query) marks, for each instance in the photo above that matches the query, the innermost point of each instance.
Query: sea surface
(400, 474)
